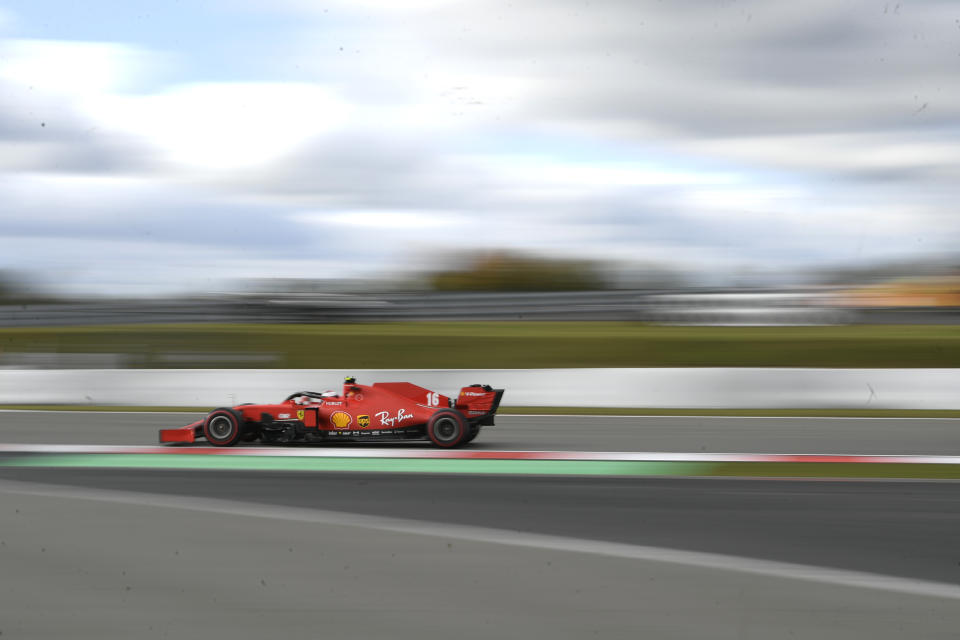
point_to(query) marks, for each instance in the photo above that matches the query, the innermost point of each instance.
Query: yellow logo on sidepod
(341, 419)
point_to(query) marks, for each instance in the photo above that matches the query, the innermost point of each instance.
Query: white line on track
(714, 561)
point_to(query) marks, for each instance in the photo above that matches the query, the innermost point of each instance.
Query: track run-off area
(566, 526)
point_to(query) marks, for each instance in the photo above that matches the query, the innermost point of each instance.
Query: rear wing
(479, 403)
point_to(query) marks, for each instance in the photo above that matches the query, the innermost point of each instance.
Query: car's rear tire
(447, 429)
(472, 433)
(221, 428)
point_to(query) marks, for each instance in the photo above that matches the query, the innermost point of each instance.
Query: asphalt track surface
(77, 562)
(695, 434)
(105, 568)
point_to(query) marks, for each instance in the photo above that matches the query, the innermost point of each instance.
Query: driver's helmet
(348, 389)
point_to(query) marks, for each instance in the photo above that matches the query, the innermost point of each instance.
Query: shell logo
(341, 419)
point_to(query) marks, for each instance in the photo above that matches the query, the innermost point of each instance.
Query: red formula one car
(381, 411)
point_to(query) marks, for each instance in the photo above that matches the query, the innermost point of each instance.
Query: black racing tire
(222, 428)
(473, 432)
(447, 429)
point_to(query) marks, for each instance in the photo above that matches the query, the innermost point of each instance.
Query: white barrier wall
(689, 387)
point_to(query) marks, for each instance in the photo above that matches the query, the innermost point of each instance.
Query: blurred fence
(711, 307)
(667, 387)
(330, 308)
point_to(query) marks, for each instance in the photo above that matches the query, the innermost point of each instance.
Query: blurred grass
(500, 345)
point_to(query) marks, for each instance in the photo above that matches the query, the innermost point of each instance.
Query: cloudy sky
(159, 146)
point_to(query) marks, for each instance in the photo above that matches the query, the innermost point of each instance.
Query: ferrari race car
(381, 411)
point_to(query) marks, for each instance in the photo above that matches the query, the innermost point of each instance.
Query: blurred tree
(509, 271)
(11, 291)
(17, 287)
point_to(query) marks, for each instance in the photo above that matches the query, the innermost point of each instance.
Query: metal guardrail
(683, 307)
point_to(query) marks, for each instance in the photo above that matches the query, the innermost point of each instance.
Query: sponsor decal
(473, 394)
(283, 416)
(300, 414)
(373, 433)
(363, 421)
(369, 434)
(331, 403)
(386, 420)
(341, 419)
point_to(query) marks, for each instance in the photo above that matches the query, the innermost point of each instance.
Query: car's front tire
(447, 429)
(221, 428)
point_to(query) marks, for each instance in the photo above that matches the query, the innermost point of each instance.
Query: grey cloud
(359, 170)
(146, 213)
(705, 69)
(59, 139)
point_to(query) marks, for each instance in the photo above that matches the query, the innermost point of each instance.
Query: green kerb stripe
(506, 467)
(391, 465)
